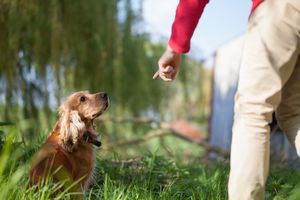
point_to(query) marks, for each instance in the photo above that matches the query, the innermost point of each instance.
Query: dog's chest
(85, 162)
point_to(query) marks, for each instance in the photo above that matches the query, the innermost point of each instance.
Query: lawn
(151, 175)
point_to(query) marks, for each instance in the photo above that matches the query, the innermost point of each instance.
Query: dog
(68, 155)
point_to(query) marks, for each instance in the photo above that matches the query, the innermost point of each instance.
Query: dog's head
(77, 114)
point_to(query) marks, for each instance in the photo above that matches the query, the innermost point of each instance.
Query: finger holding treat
(168, 65)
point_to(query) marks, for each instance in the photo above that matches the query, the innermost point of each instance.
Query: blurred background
(50, 49)
(159, 140)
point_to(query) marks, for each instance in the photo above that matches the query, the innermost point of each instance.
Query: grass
(159, 178)
(155, 176)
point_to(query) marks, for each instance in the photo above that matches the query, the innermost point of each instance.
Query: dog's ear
(71, 128)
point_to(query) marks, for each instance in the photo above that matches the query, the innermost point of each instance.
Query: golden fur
(68, 155)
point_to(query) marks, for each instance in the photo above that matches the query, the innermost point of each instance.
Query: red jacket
(187, 16)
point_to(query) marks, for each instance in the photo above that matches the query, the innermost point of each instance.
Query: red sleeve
(255, 3)
(187, 16)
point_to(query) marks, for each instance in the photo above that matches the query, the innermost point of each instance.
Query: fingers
(168, 65)
(166, 74)
(168, 69)
(156, 74)
(162, 76)
(165, 77)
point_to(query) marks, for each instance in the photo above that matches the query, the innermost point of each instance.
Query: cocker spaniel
(68, 155)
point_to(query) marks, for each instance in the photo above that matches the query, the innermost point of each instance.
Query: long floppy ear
(71, 128)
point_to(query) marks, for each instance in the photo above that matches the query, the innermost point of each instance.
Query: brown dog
(68, 153)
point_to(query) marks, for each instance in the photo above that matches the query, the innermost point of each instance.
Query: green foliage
(50, 48)
(152, 177)
(283, 183)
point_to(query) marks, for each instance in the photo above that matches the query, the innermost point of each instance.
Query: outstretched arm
(187, 16)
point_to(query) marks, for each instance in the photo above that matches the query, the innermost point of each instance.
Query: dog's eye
(82, 99)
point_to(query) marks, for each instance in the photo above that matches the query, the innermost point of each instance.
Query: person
(269, 81)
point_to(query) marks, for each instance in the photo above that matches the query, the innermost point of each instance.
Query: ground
(175, 175)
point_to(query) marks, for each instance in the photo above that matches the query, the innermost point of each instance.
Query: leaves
(52, 48)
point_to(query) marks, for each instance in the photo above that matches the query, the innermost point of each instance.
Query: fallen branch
(164, 132)
(204, 144)
(149, 136)
(138, 120)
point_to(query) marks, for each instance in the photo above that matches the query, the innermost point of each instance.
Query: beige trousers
(269, 81)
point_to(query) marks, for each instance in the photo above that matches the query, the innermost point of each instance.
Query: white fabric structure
(225, 78)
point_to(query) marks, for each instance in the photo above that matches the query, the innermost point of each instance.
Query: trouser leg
(270, 53)
(288, 112)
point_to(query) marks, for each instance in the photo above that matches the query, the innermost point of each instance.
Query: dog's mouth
(94, 116)
(90, 136)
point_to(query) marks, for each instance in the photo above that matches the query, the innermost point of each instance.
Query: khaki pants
(269, 81)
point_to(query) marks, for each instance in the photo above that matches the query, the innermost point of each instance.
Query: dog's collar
(91, 140)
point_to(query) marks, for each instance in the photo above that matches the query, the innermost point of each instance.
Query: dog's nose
(103, 95)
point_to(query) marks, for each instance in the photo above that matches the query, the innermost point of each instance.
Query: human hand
(168, 65)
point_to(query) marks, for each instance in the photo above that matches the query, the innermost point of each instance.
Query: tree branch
(164, 132)
(137, 120)
(149, 136)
